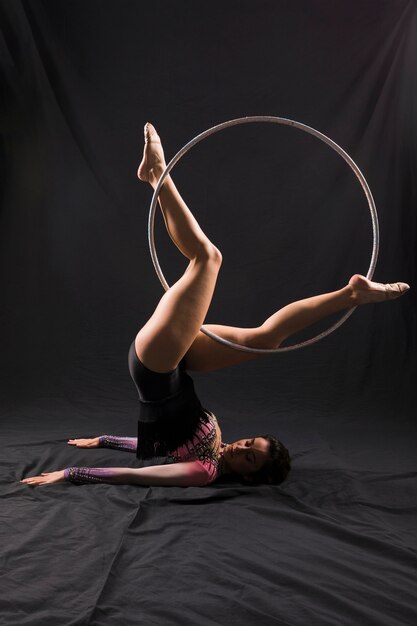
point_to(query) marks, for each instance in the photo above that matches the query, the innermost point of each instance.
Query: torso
(206, 446)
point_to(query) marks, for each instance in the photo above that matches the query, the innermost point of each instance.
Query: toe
(402, 287)
(150, 133)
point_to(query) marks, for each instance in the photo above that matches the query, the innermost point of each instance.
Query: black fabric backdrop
(336, 543)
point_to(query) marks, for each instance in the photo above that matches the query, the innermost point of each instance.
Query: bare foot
(365, 291)
(153, 162)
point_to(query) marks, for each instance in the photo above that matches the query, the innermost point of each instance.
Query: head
(260, 459)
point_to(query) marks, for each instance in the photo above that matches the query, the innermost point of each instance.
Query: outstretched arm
(188, 474)
(129, 444)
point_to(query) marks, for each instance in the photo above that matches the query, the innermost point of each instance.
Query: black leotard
(169, 411)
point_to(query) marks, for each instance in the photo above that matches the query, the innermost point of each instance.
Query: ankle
(155, 174)
(351, 296)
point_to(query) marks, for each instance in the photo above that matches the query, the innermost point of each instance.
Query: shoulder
(182, 474)
(197, 473)
(207, 470)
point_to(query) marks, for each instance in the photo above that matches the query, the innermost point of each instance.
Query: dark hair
(276, 469)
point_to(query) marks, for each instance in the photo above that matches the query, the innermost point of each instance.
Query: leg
(171, 330)
(205, 354)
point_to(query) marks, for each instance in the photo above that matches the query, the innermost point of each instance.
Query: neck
(223, 468)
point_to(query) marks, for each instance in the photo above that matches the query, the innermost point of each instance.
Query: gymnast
(172, 422)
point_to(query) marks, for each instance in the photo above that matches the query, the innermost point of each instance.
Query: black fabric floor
(335, 544)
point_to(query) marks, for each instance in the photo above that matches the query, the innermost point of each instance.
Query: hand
(85, 443)
(47, 478)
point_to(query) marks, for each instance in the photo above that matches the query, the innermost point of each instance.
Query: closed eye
(251, 457)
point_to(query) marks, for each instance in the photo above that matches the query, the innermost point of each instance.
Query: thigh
(169, 333)
(206, 354)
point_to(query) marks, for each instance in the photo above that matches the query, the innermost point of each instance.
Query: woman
(172, 421)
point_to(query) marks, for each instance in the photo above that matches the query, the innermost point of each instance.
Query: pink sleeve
(187, 474)
(209, 469)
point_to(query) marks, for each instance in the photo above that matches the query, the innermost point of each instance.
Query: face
(246, 456)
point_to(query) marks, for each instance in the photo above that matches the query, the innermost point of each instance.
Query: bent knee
(208, 252)
(216, 255)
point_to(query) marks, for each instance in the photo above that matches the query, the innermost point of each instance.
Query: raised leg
(171, 330)
(206, 354)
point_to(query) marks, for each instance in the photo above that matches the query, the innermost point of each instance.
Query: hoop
(311, 131)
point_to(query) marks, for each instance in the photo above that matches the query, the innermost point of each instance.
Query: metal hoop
(286, 122)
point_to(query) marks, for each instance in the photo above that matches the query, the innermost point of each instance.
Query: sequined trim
(118, 443)
(206, 446)
(79, 475)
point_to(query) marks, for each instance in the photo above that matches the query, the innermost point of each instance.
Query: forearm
(130, 444)
(115, 475)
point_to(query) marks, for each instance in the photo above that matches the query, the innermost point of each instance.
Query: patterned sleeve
(80, 475)
(129, 444)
